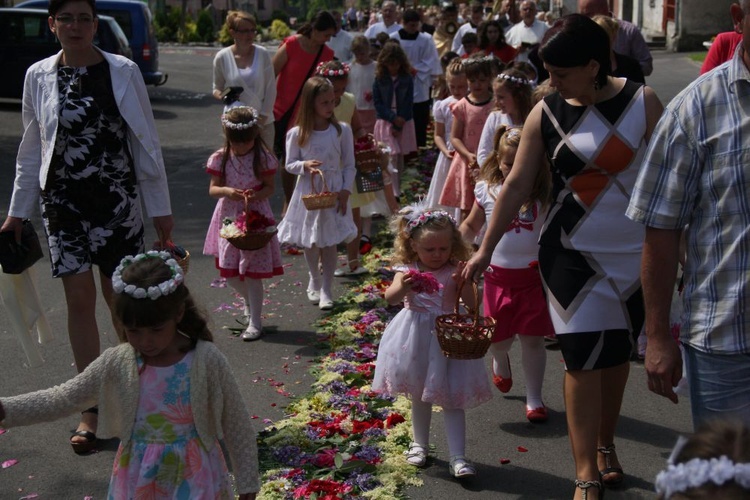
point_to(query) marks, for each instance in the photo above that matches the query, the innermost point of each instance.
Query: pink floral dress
(230, 261)
(165, 458)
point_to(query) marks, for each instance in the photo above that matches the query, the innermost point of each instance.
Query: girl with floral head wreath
(167, 392)
(242, 178)
(428, 250)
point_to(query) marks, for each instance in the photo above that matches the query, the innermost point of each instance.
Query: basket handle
(473, 312)
(247, 211)
(312, 179)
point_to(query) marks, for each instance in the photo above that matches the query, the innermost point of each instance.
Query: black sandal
(84, 447)
(617, 471)
(585, 485)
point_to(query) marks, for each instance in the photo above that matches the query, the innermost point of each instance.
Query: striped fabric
(697, 173)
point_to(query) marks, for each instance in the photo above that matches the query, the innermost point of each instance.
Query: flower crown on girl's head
(678, 478)
(153, 292)
(514, 79)
(419, 214)
(241, 125)
(321, 70)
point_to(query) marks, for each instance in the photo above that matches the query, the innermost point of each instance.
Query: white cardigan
(261, 92)
(40, 116)
(111, 381)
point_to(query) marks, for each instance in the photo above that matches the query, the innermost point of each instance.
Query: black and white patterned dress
(590, 253)
(90, 204)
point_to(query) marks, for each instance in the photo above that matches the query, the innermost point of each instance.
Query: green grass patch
(697, 56)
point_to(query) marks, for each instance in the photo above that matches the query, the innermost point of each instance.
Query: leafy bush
(205, 27)
(190, 33)
(279, 29)
(167, 25)
(225, 39)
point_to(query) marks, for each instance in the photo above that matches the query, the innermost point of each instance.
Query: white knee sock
(312, 257)
(255, 301)
(328, 258)
(533, 360)
(455, 431)
(366, 226)
(500, 365)
(240, 286)
(421, 414)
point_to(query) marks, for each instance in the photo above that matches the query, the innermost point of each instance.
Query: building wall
(695, 21)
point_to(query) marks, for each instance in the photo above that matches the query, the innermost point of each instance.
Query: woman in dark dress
(90, 154)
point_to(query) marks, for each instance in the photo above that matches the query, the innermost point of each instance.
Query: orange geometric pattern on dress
(615, 156)
(588, 185)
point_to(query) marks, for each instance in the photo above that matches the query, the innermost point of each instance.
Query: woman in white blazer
(246, 65)
(89, 154)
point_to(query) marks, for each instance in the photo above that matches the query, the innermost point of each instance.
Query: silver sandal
(460, 468)
(585, 485)
(416, 455)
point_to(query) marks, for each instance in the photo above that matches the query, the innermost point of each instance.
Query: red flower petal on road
(522, 449)
(505, 461)
(9, 463)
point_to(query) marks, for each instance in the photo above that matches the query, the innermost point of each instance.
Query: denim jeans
(719, 385)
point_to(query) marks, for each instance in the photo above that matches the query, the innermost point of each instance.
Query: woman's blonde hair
(403, 253)
(313, 87)
(455, 67)
(235, 16)
(610, 24)
(506, 138)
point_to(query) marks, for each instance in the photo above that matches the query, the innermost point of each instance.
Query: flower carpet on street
(342, 440)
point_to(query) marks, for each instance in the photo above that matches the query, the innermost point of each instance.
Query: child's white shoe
(460, 468)
(416, 455)
(251, 333)
(313, 296)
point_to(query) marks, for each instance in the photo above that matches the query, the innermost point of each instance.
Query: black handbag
(15, 258)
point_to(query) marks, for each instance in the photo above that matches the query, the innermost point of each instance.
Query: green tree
(205, 27)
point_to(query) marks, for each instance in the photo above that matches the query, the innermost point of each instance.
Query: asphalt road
(188, 123)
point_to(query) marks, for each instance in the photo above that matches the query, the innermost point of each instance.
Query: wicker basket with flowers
(251, 230)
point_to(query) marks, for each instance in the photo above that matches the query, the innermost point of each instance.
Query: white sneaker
(341, 271)
(313, 296)
(252, 333)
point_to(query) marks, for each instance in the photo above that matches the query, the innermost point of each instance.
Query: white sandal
(460, 468)
(416, 455)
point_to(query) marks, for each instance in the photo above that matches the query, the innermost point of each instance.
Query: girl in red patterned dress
(242, 174)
